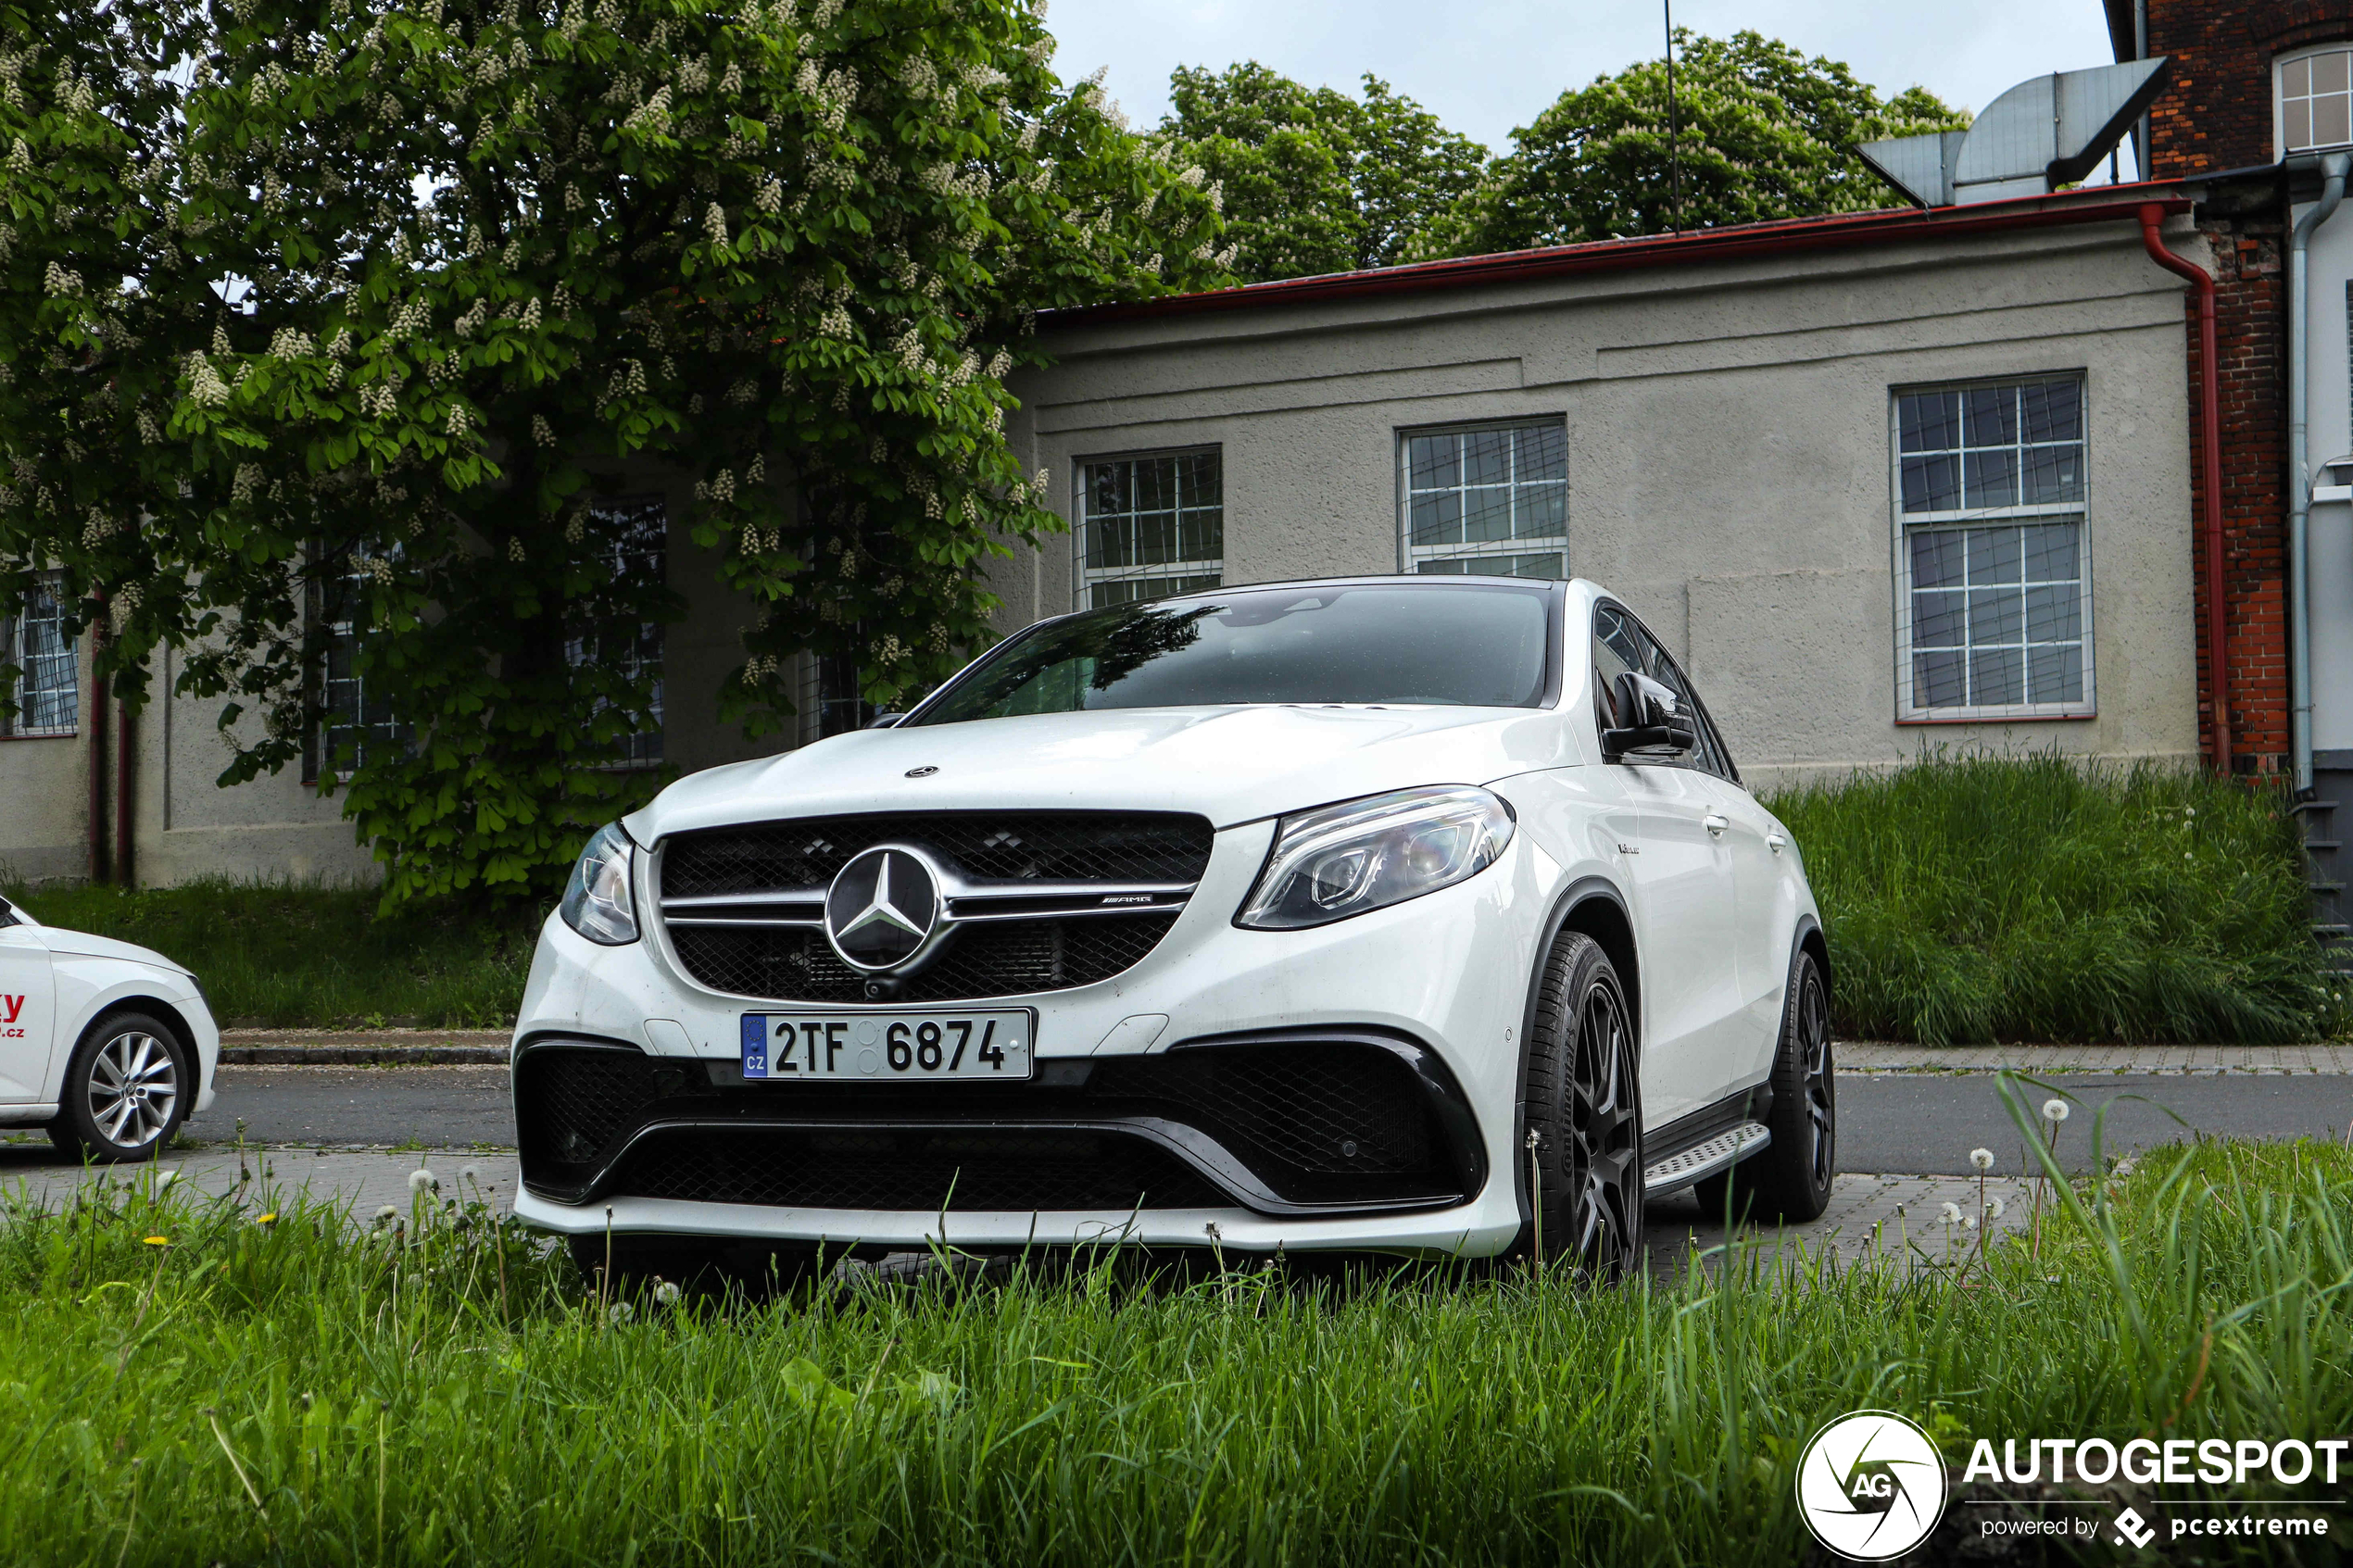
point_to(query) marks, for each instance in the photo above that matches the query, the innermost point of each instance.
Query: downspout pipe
(2299, 477)
(2209, 421)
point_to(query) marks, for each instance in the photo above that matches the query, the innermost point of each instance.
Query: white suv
(1409, 914)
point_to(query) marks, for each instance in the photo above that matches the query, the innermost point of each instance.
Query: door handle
(1715, 823)
(1776, 843)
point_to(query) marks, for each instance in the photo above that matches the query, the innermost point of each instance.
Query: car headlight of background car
(597, 901)
(1362, 855)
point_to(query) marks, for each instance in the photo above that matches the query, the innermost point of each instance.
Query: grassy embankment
(2027, 898)
(293, 1391)
(1967, 900)
(287, 956)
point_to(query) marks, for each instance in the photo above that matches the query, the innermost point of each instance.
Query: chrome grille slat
(1021, 892)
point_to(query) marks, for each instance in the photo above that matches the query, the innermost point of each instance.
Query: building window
(2316, 101)
(1491, 500)
(1151, 525)
(638, 531)
(48, 692)
(1993, 583)
(355, 720)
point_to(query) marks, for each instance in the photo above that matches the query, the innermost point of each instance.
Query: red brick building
(2257, 93)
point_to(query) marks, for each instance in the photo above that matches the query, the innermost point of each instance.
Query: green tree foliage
(250, 377)
(1763, 132)
(1314, 181)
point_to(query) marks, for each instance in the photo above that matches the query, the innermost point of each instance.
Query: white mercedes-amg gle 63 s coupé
(1420, 915)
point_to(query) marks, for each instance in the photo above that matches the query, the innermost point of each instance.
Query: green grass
(2031, 898)
(287, 956)
(298, 1392)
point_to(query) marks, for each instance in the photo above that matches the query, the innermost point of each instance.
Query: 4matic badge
(1870, 1486)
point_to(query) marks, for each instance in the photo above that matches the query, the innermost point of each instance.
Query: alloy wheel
(135, 1084)
(1814, 1060)
(1605, 1138)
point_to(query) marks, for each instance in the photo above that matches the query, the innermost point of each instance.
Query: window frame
(642, 756)
(1908, 712)
(1410, 556)
(12, 628)
(1184, 576)
(2280, 62)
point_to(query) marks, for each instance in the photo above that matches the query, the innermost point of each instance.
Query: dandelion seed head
(1994, 1207)
(423, 1180)
(665, 1294)
(2055, 1110)
(386, 1214)
(1981, 1157)
(1952, 1212)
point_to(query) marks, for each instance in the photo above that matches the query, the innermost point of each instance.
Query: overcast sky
(1486, 66)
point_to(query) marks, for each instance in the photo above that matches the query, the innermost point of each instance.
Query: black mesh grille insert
(921, 1169)
(991, 845)
(982, 959)
(1315, 1120)
(1321, 1107)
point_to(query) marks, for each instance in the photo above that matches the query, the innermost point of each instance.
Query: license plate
(887, 1047)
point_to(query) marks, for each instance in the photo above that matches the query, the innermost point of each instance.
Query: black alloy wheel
(1582, 1163)
(1791, 1179)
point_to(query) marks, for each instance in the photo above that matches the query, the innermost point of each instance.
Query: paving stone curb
(363, 1056)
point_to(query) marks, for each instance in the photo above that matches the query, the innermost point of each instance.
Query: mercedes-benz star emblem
(881, 909)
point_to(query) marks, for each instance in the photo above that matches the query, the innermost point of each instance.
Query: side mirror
(1651, 717)
(885, 721)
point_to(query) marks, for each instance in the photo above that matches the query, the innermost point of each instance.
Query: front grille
(1007, 958)
(926, 1171)
(1315, 1121)
(985, 845)
(975, 959)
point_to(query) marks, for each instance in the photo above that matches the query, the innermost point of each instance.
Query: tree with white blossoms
(251, 380)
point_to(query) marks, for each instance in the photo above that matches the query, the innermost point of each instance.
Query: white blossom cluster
(379, 400)
(290, 343)
(771, 196)
(59, 283)
(205, 389)
(714, 223)
(247, 480)
(475, 315)
(410, 320)
(541, 431)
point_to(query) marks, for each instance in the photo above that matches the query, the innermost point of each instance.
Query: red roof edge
(1837, 230)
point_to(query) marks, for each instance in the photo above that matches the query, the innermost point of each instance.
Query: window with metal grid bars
(1993, 605)
(1487, 499)
(48, 692)
(1151, 525)
(636, 529)
(355, 718)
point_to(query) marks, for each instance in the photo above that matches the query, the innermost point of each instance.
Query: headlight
(1342, 860)
(597, 903)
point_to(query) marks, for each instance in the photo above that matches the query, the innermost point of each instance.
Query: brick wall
(2215, 110)
(2215, 114)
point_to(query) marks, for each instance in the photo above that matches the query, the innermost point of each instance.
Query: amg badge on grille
(881, 907)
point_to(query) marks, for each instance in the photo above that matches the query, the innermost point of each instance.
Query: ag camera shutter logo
(1870, 1486)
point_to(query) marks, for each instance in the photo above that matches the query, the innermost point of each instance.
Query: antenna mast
(1673, 137)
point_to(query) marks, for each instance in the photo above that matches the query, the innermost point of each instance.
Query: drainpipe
(98, 792)
(2141, 52)
(125, 866)
(2209, 421)
(2299, 478)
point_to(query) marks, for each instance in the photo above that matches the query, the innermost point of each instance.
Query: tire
(1791, 1179)
(1581, 1103)
(128, 1088)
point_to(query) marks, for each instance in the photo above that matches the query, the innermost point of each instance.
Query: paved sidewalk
(1898, 1218)
(1861, 1056)
(362, 1048)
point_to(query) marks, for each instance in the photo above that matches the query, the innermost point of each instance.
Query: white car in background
(1411, 914)
(108, 1045)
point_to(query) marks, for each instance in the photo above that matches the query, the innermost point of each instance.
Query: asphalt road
(1889, 1124)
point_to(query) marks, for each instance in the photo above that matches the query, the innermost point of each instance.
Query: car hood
(1232, 764)
(80, 944)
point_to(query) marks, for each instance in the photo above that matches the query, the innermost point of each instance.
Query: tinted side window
(1622, 644)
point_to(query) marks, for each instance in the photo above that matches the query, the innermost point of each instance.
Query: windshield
(1463, 645)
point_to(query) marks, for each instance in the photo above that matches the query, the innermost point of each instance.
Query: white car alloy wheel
(125, 1090)
(133, 1088)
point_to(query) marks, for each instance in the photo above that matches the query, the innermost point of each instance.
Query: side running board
(1721, 1152)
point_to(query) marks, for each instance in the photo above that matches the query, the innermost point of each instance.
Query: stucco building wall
(1729, 467)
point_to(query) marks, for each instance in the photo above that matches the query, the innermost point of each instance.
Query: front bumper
(1141, 1123)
